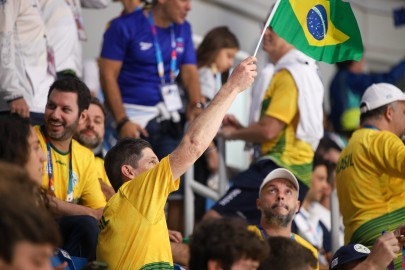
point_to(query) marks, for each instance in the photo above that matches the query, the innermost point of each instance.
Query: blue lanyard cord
(50, 170)
(159, 58)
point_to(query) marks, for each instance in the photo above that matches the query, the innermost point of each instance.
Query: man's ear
(258, 204)
(389, 113)
(83, 117)
(128, 172)
(298, 206)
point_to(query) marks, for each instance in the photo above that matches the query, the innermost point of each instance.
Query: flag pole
(266, 25)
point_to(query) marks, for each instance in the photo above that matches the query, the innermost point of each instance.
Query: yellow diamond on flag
(314, 18)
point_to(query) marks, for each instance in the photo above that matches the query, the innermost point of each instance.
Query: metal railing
(191, 186)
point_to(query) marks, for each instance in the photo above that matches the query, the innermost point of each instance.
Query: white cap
(280, 173)
(380, 94)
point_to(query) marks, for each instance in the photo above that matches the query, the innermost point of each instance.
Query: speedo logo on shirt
(144, 46)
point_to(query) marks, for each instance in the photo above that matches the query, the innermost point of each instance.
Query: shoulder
(128, 21)
(305, 243)
(255, 229)
(184, 28)
(81, 151)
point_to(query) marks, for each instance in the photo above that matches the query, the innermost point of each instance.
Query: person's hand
(384, 250)
(400, 234)
(243, 75)
(231, 120)
(227, 132)
(132, 130)
(20, 107)
(175, 236)
(107, 190)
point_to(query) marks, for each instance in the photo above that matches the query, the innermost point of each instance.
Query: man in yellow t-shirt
(133, 231)
(282, 131)
(90, 134)
(278, 202)
(70, 174)
(370, 173)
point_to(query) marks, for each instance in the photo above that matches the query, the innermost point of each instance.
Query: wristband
(121, 123)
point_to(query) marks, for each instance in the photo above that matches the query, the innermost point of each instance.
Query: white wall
(384, 44)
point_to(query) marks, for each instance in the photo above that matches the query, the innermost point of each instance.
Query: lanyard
(159, 58)
(49, 168)
(265, 235)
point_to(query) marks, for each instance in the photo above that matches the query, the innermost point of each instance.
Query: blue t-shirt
(129, 39)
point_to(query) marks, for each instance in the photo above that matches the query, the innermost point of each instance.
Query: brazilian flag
(325, 30)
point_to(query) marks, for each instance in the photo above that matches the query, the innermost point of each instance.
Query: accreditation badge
(171, 97)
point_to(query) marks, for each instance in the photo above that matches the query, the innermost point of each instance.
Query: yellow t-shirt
(133, 229)
(101, 171)
(86, 187)
(370, 179)
(281, 102)
(296, 237)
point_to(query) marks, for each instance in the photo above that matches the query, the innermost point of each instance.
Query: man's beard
(67, 132)
(279, 220)
(88, 141)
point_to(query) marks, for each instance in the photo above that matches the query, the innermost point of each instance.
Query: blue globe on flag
(317, 22)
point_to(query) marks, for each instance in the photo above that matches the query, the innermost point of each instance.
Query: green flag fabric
(325, 30)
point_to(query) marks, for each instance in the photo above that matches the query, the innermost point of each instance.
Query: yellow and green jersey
(86, 187)
(281, 102)
(370, 181)
(133, 229)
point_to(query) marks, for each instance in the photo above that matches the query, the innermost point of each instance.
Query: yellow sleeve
(284, 97)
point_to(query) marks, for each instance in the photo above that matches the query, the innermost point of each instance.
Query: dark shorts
(240, 199)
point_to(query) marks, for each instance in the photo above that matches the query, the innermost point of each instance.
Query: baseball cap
(347, 254)
(280, 173)
(380, 94)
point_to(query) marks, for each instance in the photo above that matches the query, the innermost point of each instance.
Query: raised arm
(204, 128)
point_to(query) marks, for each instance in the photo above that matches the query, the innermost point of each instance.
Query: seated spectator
(225, 244)
(347, 257)
(285, 253)
(90, 133)
(359, 257)
(19, 144)
(306, 223)
(278, 203)
(71, 178)
(142, 194)
(28, 233)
